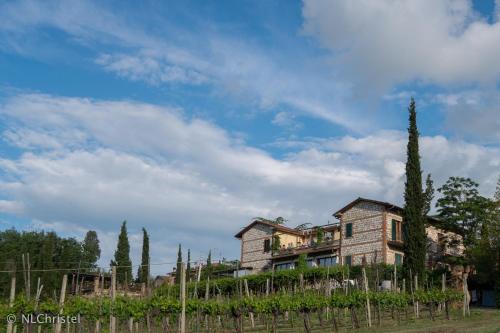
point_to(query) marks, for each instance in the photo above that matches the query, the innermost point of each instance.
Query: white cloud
(232, 67)
(188, 180)
(381, 43)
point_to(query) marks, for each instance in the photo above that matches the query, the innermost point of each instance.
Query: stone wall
(252, 248)
(451, 243)
(366, 240)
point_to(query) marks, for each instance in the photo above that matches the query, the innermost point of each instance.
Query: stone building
(367, 231)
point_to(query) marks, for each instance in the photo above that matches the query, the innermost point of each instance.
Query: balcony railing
(305, 248)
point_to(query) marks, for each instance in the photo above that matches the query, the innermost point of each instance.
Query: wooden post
(183, 298)
(247, 292)
(77, 290)
(395, 278)
(443, 289)
(267, 287)
(61, 302)
(417, 312)
(112, 319)
(466, 310)
(96, 284)
(11, 300)
(365, 280)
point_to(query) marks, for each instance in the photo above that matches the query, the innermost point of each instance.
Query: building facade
(367, 231)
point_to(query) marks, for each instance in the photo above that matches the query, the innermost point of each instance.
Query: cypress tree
(209, 264)
(188, 267)
(413, 219)
(179, 265)
(143, 271)
(122, 256)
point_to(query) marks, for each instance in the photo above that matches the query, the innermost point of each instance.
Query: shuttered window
(394, 226)
(348, 230)
(267, 245)
(398, 259)
(348, 260)
(396, 233)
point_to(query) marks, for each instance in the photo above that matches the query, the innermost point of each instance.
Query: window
(396, 230)
(267, 245)
(398, 259)
(283, 266)
(348, 230)
(348, 260)
(311, 263)
(328, 261)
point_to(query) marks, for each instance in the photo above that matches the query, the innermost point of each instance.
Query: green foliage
(415, 240)
(179, 266)
(428, 194)
(302, 262)
(461, 208)
(122, 256)
(46, 251)
(143, 270)
(91, 249)
(188, 267)
(276, 243)
(320, 235)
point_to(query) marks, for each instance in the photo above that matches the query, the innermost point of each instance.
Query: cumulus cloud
(381, 43)
(232, 67)
(185, 177)
(473, 114)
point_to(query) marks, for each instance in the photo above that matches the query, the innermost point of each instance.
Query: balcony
(307, 248)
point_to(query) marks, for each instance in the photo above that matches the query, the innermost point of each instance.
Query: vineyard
(292, 301)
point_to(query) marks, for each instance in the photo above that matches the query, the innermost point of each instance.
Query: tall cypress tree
(143, 271)
(188, 267)
(122, 256)
(413, 219)
(179, 265)
(209, 264)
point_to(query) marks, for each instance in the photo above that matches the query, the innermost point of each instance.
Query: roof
(275, 226)
(387, 205)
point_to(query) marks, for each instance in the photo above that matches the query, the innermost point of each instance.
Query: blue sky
(190, 118)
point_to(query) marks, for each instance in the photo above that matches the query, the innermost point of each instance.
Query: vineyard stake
(183, 298)
(112, 319)
(61, 301)
(247, 292)
(365, 280)
(416, 303)
(11, 300)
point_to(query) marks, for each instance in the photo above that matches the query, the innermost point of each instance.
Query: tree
(143, 271)
(208, 268)
(320, 235)
(122, 256)
(188, 267)
(485, 253)
(302, 262)
(278, 220)
(413, 221)
(91, 249)
(179, 266)
(461, 208)
(428, 194)
(276, 243)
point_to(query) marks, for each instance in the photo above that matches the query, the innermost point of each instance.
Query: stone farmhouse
(367, 231)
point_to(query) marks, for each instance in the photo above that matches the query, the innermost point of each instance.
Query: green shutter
(348, 230)
(393, 230)
(399, 259)
(348, 260)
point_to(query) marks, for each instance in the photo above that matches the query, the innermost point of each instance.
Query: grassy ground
(480, 321)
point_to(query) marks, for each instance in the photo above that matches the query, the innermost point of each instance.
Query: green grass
(480, 321)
